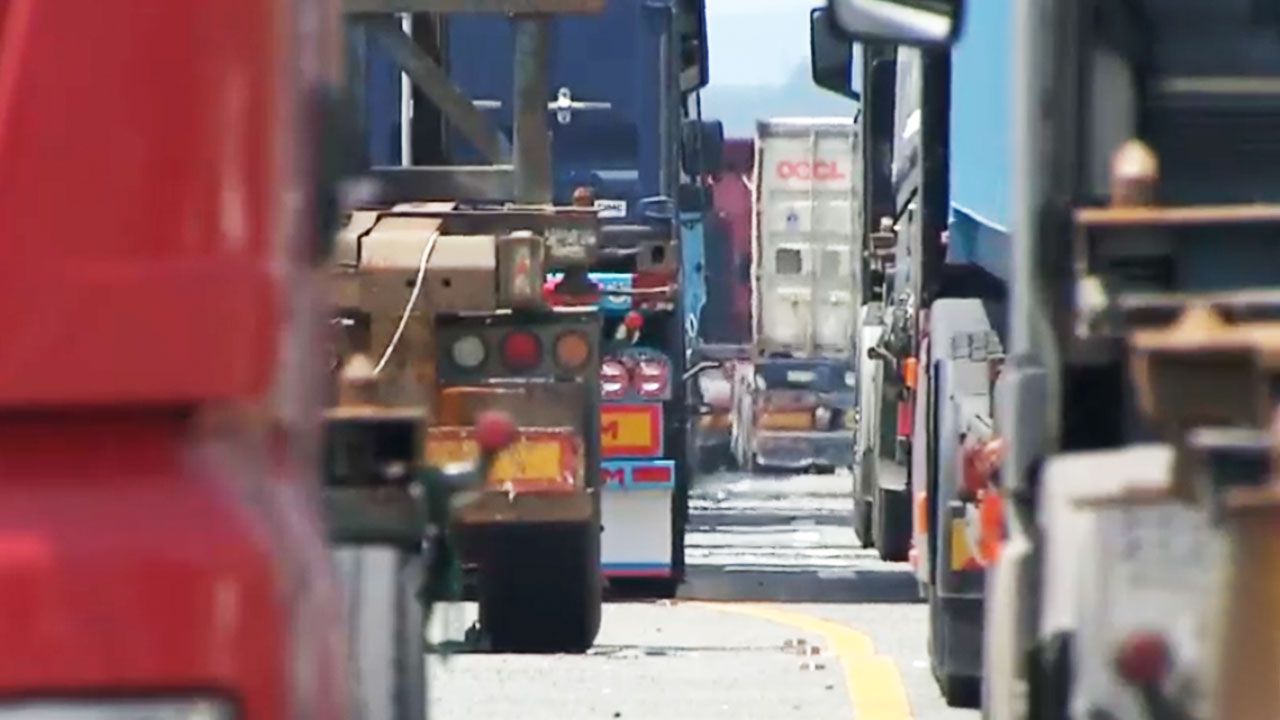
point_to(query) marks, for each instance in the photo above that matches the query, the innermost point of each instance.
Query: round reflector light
(573, 350)
(468, 352)
(614, 379)
(521, 350)
(651, 378)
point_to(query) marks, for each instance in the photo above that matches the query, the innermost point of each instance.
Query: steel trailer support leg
(532, 141)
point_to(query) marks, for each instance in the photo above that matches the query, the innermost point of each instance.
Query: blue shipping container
(981, 146)
(614, 57)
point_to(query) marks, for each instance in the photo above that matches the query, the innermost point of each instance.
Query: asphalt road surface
(783, 616)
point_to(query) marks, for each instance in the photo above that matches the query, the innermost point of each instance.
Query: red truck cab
(160, 545)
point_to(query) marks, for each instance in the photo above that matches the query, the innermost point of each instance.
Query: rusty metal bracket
(496, 222)
(1104, 309)
(435, 83)
(1204, 371)
(476, 183)
(529, 119)
(572, 234)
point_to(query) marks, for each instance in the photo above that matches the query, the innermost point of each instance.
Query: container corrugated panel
(382, 95)
(981, 141)
(807, 260)
(614, 61)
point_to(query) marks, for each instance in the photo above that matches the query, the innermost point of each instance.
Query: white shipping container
(807, 237)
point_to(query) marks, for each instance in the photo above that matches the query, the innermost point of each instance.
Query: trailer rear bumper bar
(804, 448)
(496, 507)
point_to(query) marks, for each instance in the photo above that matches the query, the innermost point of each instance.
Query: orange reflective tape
(921, 512)
(458, 405)
(990, 526)
(962, 552)
(540, 459)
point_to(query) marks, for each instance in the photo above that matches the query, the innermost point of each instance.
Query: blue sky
(757, 42)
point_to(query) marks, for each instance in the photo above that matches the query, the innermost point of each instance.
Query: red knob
(495, 430)
(1143, 659)
(634, 321)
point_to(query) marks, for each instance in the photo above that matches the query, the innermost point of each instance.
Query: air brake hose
(408, 308)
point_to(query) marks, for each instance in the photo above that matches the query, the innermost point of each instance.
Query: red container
(728, 318)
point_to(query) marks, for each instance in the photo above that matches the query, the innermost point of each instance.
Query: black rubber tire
(864, 502)
(891, 526)
(961, 691)
(711, 458)
(387, 629)
(730, 459)
(541, 589)
(680, 437)
(862, 519)
(1051, 663)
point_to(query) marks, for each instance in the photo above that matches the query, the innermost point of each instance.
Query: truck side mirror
(701, 147)
(691, 39)
(830, 56)
(901, 22)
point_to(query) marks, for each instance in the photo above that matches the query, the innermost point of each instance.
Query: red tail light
(653, 379)
(906, 416)
(521, 351)
(614, 380)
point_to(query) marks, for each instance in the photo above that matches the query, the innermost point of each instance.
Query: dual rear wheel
(540, 587)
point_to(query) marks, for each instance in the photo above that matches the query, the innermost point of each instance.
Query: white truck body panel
(870, 395)
(807, 237)
(1114, 569)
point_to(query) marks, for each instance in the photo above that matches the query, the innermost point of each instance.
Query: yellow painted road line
(872, 681)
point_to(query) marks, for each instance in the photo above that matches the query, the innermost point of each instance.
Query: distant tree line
(740, 106)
